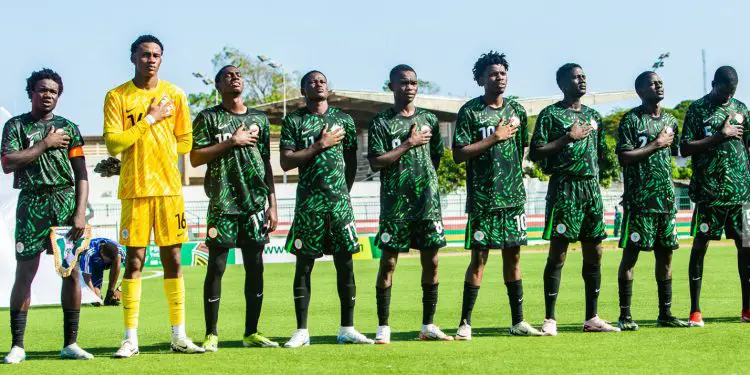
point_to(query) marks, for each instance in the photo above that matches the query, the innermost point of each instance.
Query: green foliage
(423, 87)
(263, 83)
(451, 175)
(535, 171)
(682, 173)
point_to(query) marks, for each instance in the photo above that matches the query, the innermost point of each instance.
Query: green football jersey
(235, 182)
(720, 175)
(579, 158)
(322, 181)
(52, 168)
(648, 182)
(494, 179)
(409, 186)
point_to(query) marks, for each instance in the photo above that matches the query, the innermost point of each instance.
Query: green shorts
(314, 234)
(649, 231)
(496, 229)
(574, 210)
(400, 236)
(36, 212)
(709, 222)
(232, 231)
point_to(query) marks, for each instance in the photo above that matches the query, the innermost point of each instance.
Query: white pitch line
(155, 275)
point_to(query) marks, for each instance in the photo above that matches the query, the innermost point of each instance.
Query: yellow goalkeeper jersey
(149, 166)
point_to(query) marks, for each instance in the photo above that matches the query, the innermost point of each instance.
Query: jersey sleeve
(691, 129)
(11, 138)
(376, 139)
(350, 138)
(75, 147)
(522, 135)
(462, 134)
(201, 132)
(436, 142)
(541, 129)
(85, 263)
(745, 125)
(264, 143)
(183, 123)
(288, 140)
(625, 137)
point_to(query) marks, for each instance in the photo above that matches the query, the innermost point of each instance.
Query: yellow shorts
(166, 215)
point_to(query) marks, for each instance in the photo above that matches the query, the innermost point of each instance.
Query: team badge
(19, 247)
(333, 128)
(254, 128)
(479, 235)
(561, 228)
(515, 121)
(298, 244)
(668, 129)
(739, 118)
(425, 128)
(125, 234)
(594, 124)
(213, 232)
(635, 237)
(385, 237)
(704, 227)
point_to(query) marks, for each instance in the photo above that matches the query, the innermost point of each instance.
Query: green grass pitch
(720, 347)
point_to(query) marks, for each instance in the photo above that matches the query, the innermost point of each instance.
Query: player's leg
(625, 285)
(743, 266)
(252, 261)
(558, 250)
(663, 274)
(707, 224)
(170, 232)
(630, 250)
(71, 304)
(20, 300)
(302, 290)
(472, 283)
(480, 233)
(347, 291)
(392, 239)
(513, 235)
(738, 228)
(217, 263)
(428, 236)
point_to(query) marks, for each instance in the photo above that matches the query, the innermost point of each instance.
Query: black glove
(108, 167)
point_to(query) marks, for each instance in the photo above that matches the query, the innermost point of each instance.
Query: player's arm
(16, 160)
(80, 174)
(204, 155)
(503, 132)
(539, 151)
(691, 146)
(114, 275)
(183, 124)
(416, 138)
(350, 167)
(116, 138)
(294, 159)
(436, 143)
(264, 146)
(627, 154)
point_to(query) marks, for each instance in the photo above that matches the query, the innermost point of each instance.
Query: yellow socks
(175, 292)
(131, 302)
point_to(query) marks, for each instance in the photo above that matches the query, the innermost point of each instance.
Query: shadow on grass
(103, 352)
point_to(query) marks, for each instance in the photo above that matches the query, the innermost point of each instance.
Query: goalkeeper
(103, 254)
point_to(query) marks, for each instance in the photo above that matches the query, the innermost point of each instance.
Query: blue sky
(356, 42)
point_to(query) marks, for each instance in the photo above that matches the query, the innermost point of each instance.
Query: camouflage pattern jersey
(580, 158)
(235, 181)
(408, 187)
(52, 169)
(648, 182)
(322, 181)
(720, 175)
(494, 179)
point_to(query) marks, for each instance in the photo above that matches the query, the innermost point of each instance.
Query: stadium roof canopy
(363, 105)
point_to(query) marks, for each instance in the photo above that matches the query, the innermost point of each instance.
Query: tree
(451, 175)
(263, 83)
(423, 87)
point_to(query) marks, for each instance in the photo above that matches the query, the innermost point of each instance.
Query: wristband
(150, 119)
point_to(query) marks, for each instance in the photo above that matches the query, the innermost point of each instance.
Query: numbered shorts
(574, 210)
(649, 231)
(400, 236)
(232, 231)
(710, 221)
(165, 215)
(314, 234)
(36, 212)
(496, 229)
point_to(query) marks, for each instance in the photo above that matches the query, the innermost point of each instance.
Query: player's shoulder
(171, 88)
(121, 90)
(383, 116)
(700, 103)
(426, 114)
(590, 111)
(297, 114)
(336, 112)
(256, 113)
(517, 107)
(475, 104)
(739, 104)
(18, 120)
